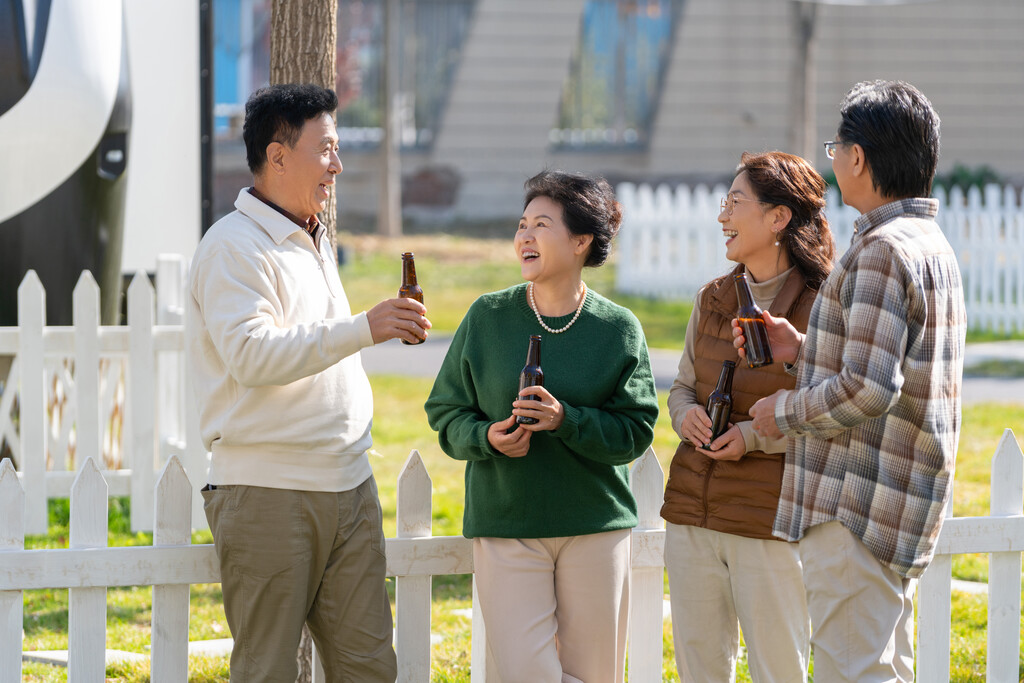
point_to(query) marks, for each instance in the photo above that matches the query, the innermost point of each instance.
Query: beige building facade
(730, 83)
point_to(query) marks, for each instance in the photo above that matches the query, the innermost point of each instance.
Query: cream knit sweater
(273, 353)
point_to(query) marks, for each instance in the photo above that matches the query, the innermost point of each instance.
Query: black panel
(79, 225)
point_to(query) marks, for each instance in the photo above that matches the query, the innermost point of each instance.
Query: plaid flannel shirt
(875, 418)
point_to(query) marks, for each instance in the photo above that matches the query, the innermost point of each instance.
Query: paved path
(396, 358)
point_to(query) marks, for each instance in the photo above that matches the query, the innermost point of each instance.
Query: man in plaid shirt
(875, 418)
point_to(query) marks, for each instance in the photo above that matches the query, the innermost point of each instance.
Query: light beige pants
(862, 612)
(288, 557)
(720, 583)
(556, 609)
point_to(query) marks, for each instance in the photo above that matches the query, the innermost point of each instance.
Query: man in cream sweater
(285, 408)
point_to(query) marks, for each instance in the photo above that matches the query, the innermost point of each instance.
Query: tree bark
(303, 49)
(389, 201)
(805, 82)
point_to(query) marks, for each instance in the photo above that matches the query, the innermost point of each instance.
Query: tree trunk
(389, 201)
(804, 130)
(303, 49)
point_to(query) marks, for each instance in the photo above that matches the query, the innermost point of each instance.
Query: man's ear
(276, 153)
(859, 161)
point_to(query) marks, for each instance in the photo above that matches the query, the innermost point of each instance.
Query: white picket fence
(671, 243)
(160, 431)
(88, 568)
(115, 394)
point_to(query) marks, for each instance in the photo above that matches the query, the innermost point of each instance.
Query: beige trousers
(862, 612)
(720, 583)
(556, 609)
(293, 557)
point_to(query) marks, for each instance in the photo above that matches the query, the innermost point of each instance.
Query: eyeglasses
(728, 203)
(830, 148)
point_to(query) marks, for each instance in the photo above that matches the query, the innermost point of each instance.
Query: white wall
(162, 214)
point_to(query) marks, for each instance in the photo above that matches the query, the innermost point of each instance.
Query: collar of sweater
(275, 224)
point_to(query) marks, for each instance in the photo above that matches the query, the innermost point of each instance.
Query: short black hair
(898, 129)
(277, 113)
(588, 206)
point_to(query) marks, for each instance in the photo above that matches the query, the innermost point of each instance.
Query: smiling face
(545, 247)
(307, 170)
(750, 238)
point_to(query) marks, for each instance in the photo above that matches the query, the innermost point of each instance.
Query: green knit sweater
(574, 480)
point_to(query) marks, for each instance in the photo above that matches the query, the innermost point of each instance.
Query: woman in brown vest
(726, 571)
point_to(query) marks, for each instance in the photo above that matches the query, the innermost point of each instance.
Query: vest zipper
(707, 485)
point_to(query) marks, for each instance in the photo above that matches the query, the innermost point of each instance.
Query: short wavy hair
(588, 206)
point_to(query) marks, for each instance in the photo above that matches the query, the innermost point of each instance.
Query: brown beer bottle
(531, 376)
(409, 288)
(719, 405)
(751, 320)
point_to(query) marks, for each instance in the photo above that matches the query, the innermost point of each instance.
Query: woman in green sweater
(548, 504)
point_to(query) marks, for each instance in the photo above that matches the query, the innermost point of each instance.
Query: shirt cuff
(362, 324)
(749, 436)
(783, 417)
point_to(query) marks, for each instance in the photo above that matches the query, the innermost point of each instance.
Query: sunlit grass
(399, 427)
(454, 271)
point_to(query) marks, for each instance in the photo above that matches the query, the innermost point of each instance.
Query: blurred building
(491, 91)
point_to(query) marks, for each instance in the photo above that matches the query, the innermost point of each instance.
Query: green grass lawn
(400, 427)
(453, 272)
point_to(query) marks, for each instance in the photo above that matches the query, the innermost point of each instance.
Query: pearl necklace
(533, 305)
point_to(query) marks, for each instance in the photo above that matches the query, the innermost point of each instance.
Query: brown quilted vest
(733, 497)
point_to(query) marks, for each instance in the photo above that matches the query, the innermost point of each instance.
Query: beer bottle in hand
(719, 405)
(409, 288)
(751, 320)
(531, 376)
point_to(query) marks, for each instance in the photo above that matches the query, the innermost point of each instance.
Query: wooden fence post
(170, 290)
(934, 612)
(179, 383)
(8, 430)
(32, 459)
(12, 537)
(646, 600)
(1004, 567)
(87, 607)
(88, 431)
(319, 675)
(1013, 222)
(412, 593)
(481, 665)
(172, 516)
(141, 403)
